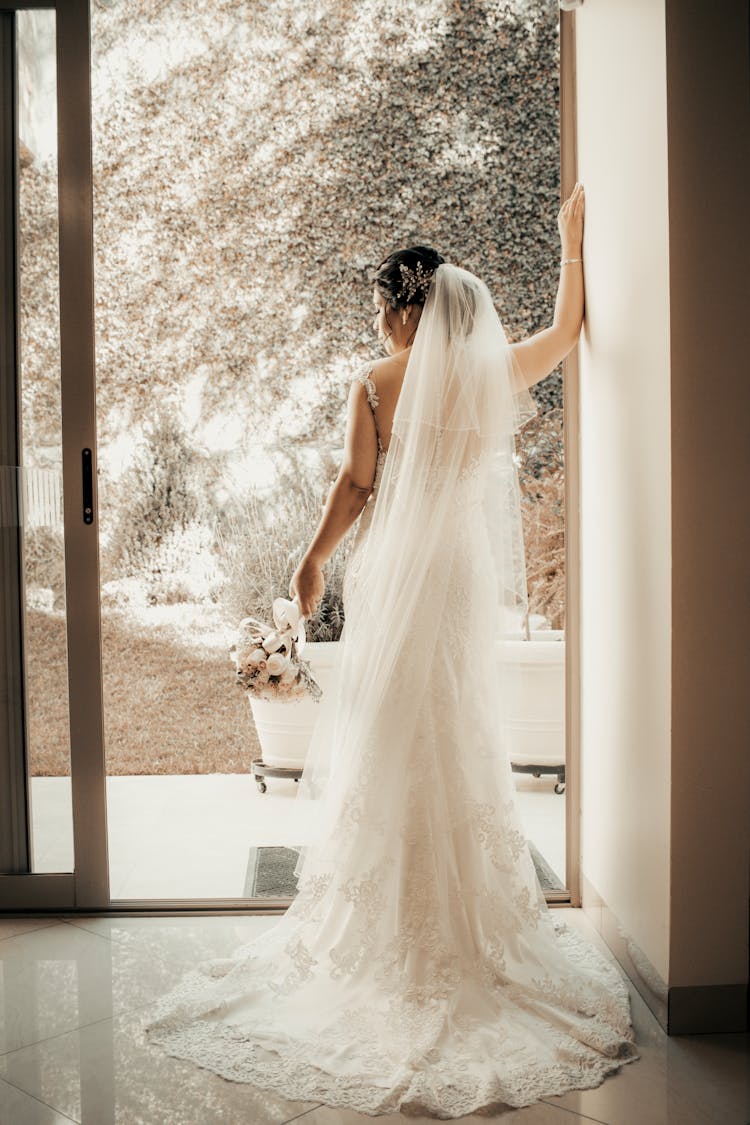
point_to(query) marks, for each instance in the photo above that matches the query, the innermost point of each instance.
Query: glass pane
(39, 481)
(247, 181)
(540, 757)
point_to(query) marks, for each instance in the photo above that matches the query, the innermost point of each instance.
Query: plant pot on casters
(285, 727)
(536, 725)
(537, 722)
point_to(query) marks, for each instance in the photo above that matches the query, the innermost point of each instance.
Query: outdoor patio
(189, 836)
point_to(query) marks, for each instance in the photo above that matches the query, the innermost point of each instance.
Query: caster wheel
(559, 787)
(262, 786)
(296, 781)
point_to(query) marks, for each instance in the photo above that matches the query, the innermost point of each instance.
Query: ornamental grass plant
(260, 544)
(542, 482)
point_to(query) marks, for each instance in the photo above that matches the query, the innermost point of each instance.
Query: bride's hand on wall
(307, 586)
(570, 223)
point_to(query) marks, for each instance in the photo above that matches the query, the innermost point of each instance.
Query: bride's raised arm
(538, 355)
(345, 501)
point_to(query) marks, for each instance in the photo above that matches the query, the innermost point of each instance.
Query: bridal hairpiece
(413, 281)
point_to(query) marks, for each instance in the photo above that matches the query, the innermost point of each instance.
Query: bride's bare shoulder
(390, 367)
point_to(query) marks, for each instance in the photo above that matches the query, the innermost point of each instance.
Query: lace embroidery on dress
(364, 376)
(366, 379)
(418, 967)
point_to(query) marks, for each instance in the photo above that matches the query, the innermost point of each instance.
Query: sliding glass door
(168, 814)
(135, 529)
(52, 816)
(35, 634)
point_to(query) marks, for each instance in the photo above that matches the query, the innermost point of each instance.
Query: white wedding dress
(419, 967)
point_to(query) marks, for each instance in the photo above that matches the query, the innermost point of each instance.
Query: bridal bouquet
(267, 660)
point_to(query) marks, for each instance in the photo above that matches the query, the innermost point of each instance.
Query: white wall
(665, 465)
(709, 227)
(625, 466)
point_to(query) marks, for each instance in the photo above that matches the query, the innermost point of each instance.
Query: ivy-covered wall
(254, 161)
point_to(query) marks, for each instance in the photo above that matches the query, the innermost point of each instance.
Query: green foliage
(252, 164)
(160, 502)
(260, 547)
(246, 187)
(542, 483)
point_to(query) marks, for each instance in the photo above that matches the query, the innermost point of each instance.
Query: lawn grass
(171, 705)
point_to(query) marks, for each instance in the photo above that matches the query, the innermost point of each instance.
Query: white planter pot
(285, 728)
(536, 724)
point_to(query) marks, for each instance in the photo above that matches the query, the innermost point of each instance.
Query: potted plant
(537, 722)
(261, 542)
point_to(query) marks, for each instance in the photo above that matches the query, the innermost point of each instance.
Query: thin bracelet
(565, 261)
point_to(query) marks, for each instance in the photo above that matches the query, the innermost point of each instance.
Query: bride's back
(388, 377)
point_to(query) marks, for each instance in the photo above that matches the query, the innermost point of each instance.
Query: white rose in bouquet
(276, 664)
(273, 642)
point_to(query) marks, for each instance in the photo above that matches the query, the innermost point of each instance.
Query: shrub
(44, 565)
(159, 510)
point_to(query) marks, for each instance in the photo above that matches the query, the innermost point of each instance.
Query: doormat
(544, 873)
(270, 872)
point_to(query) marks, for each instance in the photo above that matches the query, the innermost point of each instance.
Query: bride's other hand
(570, 222)
(538, 355)
(307, 586)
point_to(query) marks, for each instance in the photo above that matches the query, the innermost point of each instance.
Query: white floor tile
(52, 819)
(693, 1080)
(12, 927)
(105, 1074)
(689, 1079)
(17, 1108)
(60, 977)
(182, 941)
(69, 1025)
(538, 1114)
(156, 850)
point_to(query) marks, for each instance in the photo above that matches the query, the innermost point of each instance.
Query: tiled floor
(70, 1049)
(189, 836)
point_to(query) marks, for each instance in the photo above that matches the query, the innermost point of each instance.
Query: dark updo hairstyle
(390, 279)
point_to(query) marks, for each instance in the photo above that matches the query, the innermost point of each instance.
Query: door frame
(87, 887)
(572, 460)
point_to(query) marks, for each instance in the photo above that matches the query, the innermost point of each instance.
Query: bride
(419, 967)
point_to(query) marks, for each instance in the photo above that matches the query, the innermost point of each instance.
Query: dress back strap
(365, 378)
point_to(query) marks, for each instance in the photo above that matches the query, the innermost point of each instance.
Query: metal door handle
(88, 486)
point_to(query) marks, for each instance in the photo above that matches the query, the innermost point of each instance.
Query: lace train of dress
(419, 967)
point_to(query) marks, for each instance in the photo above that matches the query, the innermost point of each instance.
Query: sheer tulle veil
(449, 473)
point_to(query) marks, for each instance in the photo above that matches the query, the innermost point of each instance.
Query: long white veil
(449, 479)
